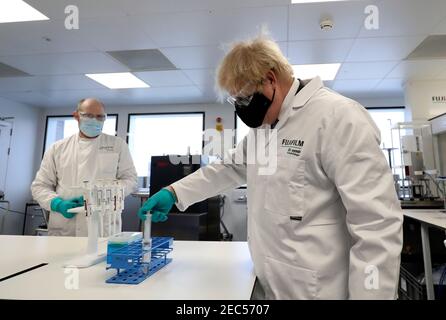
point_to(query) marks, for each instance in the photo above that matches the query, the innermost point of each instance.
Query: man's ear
(76, 115)
(271, 76)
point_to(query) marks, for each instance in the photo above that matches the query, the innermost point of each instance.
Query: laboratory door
(5, 139)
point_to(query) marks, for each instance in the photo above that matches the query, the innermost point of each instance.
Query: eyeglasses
(241, 99)
(99, 117)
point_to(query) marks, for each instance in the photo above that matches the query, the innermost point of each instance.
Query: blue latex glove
(62, 206)
(159, 204)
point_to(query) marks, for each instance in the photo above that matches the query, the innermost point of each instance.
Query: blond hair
(248, 62)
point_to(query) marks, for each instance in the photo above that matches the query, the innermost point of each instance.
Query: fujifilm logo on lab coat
(294, 146)
(295, 143)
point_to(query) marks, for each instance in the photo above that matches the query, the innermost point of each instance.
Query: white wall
(418, 96)
(27, 126)
(382, 102)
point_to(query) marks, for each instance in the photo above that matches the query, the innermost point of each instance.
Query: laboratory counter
(200, 270)
(428, 219)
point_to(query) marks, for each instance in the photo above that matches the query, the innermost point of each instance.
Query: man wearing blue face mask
(88, 155)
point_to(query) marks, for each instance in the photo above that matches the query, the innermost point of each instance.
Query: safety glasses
(240, 101)
(99, 117)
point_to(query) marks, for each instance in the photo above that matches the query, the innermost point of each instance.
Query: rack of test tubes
(136, 259)
(103, 206)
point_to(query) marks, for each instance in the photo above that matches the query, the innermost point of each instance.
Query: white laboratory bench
(428, 219)
(200, 270)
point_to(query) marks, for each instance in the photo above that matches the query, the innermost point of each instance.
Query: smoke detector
(326, 24)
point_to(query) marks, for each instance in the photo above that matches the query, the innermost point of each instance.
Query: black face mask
(254, 113)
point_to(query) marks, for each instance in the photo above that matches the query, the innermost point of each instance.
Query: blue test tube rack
(128, 260)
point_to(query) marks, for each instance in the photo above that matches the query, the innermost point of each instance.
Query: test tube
(147, 239)
(119, 223)
(101, 224)
(148, 229)
(92, 224)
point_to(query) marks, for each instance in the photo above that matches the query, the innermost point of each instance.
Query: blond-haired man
(327, 224)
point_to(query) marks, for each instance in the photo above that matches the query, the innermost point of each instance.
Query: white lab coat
(69, 162)
(328, 218)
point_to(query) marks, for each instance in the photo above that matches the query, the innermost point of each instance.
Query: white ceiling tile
(29, 38)
(383, 49)
(137, 7)
(394, 86)
(201, 77)
(30, 97)
(64, 63)
(210, 91)
(38, 83)
(319, 51)
(165, 92)
(203, 57)
(344, 86)
(72, 97)
(68, 82)
(304, 22)
(418, 69)
(406, 17)
(119, 33)
(164, 78)
(19, 84)
(213, 27)
(365, 70)
(55, 10)
(184, 94)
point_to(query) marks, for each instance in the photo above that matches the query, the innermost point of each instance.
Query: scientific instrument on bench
(414, 168)
(103, 205)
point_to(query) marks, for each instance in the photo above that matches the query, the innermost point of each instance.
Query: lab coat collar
(310, 88)
(295, 99)
(79, 138)
(288, 99)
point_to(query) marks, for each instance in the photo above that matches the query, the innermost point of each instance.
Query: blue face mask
(91, 127)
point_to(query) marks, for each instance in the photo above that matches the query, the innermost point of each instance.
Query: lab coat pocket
(56, 221)
(58, 225)
(108, 165)
(291, 282)
(285, 189)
